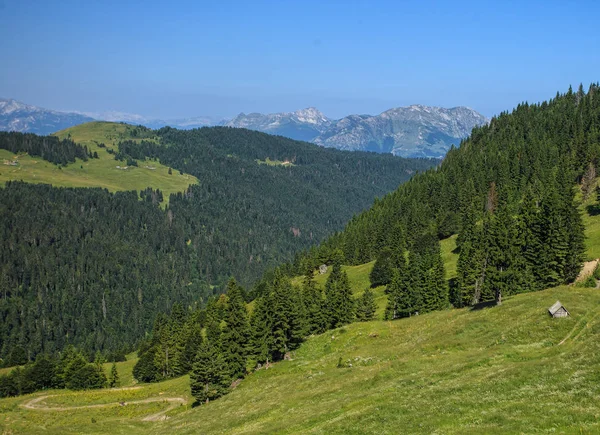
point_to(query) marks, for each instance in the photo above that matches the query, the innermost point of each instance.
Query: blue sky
(178, 59)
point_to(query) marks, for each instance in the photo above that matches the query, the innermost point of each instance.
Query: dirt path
(39, 405)
(588, 269)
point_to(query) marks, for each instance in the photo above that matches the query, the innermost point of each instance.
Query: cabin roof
(557, 306)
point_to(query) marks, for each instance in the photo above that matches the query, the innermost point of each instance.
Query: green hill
(504, 369)
(101, 172)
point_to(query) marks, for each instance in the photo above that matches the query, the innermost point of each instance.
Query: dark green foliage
(113, 380)
(210, 376)
(72, 371)
(314, 305)
(261, 339)
(242, 217)
(508, 192)
(234, 339)
(145, 369)
(86, 267)
(93, 269)
(382, 270)
(287, 323)
(338, 296)
(51, 148)
(365, 306)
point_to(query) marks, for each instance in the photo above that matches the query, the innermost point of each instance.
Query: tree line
(223, 342)
(51, 148)
(70, 369)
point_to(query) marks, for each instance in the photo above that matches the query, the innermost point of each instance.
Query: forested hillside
(93, 268)
(508, 194)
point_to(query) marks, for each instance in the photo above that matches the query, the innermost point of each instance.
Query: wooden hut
(558, 310)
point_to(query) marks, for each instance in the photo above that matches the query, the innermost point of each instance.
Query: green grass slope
(504, 369)
(101, 172)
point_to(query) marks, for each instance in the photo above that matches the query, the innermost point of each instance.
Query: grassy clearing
(270, 162)
(448, 246)
(101, 172)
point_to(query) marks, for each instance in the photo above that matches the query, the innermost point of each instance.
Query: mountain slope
(17, 116)
(415, 131)
(101, 172)
(304, 124)
(95, 268)
(506, 369)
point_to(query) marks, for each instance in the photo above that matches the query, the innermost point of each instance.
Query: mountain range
(413, 131)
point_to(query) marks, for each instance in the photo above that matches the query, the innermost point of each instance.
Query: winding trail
(39, 405)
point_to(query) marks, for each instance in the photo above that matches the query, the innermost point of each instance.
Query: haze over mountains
(413, 131)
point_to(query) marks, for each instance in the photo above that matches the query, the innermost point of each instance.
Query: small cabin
(322, 269)
(558, 310)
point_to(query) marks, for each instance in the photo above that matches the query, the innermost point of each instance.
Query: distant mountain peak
(18, 116)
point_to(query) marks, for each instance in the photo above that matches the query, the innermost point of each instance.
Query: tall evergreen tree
(314, 305)
(113, 380)
(210, 376)
(234, 339)
(261, 337)
(381, 274)
(366, 306)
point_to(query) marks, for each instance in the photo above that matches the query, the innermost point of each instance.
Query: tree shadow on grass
(482, 305)
(593, 210)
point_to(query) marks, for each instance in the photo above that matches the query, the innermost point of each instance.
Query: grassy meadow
(101, 172)
(504, 369)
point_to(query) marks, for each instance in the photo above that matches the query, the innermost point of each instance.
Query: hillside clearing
(101, 172)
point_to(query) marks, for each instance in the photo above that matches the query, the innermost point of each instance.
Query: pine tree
(338, 295)
(381, 274)
(261, 338)
(314, 305)
(210, 375)
(287, 324)
(234, 339)
(366, 306)
(114, 377)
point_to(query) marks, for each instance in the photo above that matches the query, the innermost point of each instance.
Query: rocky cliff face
(414, 131)
(304, 124)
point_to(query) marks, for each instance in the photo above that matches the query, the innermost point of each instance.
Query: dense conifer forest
(48, 148)
(508, 192)
(93, 269)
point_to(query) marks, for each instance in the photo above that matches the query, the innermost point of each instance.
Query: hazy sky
(178, 59)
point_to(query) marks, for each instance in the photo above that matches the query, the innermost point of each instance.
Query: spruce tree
(366, 306)
(113, 380)
(381, 274)
(286, 313)
(234, 339)
(210, 376)
(261, 338)
(339, 301)
(314, 305)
